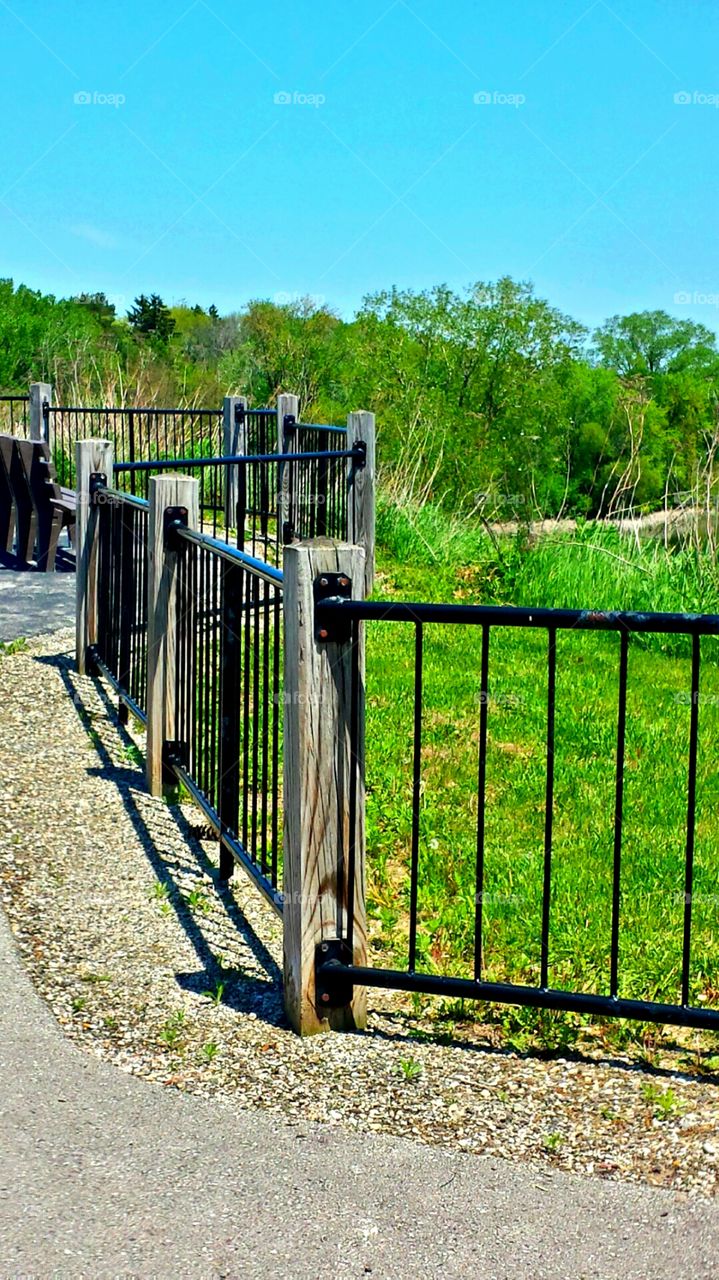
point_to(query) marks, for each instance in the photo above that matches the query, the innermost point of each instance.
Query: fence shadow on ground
(243, 992)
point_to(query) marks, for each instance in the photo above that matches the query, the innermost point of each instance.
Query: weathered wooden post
(234, 442)
(92, 457)
(361, 489)
(287, 406)
(178, 496)
(40, 393)
(319, 760)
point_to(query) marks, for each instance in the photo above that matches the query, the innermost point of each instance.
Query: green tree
(150, 316)
(652, 342)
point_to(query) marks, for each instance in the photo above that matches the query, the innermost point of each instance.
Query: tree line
(489, 400)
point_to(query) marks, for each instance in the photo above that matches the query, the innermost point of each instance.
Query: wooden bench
(42, 507)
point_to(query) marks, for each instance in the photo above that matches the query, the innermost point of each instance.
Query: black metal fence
(336, 618)
(14, 415)
(260, 429)
(280, 497)
(228, 701)
(137, 434)
(121, 530)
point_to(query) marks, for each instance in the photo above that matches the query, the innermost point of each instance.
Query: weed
(210, 1050)
(665, 1103)
(9, 647)
(78, 1003)
(171, 1030)
(410, 1068)
(217, 992)
(133, 755)
(197, 900)
(552, 1141)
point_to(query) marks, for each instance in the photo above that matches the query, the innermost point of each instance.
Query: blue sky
(576, 168)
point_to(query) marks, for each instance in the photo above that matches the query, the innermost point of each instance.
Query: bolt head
(325, 997)
(325, 946)
(323, 634)
(344, 582)
(323, 582)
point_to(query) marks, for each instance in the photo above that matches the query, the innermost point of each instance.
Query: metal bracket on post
(333, 991)
(174, 753)
(288, 533)
(359, 454)
(239, 414)
(173, 518)
(332, 587)
(98, 481)
(289, 424)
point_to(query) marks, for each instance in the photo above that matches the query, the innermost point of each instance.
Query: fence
(120, 649)
(14, 413)
(277, 497)
(135, 434)
(255, 699)
(188, 631)
(341, 619)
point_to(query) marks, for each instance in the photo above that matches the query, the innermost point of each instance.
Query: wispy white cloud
(95, 235)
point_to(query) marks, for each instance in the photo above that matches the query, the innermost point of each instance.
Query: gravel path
(151, 965)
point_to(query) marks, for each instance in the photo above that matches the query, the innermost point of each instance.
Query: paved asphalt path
(34, 603)
(102, 1174)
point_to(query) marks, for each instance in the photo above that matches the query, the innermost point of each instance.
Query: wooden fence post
(234, 441)
(39, 428)
(91, 457)
(165, 491)
(361, 490)
(286, 404)
(319, 757)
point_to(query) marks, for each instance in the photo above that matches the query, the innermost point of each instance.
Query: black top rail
(231, 554)
(75, 408)
(119, 495)
(322, 427)
(173, 464)
(518, 616)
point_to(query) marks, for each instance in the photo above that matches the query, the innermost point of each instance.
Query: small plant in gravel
(133, 755)
(665, 1103)
(9, 647)
(210, 1051)
(197, 900)
(78, 1003)
(171, 1031)
(161, 894)
(216, 993)
(552, 1141)
(411, 1069)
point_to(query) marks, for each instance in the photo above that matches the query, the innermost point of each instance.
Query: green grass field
(596, 571)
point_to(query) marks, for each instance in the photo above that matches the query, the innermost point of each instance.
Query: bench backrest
(40, 473)
(6, 448)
